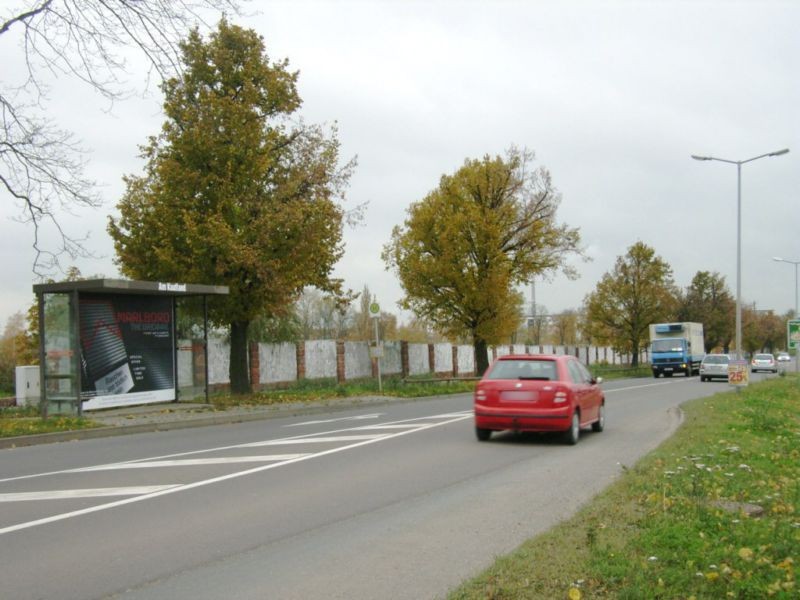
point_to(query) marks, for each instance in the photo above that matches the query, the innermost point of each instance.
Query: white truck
(676, 348)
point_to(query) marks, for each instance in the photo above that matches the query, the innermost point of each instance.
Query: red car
(538, 393)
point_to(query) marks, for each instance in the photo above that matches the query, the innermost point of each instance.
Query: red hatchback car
(538, 392)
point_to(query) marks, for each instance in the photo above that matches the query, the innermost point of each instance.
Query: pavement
(181, 415)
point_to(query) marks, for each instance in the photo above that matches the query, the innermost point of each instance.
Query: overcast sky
(613, 97)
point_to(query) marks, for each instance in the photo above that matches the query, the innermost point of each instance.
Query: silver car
(714, 366)
(784, 357)
(763, 362)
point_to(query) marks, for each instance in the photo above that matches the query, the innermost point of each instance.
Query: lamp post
(739, 164)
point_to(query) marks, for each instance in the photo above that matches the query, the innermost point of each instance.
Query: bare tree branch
(42, 167)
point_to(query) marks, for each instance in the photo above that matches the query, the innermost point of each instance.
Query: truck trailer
(676, 348)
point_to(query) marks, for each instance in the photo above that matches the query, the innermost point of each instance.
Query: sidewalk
(181, 415)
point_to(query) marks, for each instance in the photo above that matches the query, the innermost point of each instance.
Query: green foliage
(678, 524)
(638, 291)
(232, 193)
(708, 301)
(485, 229)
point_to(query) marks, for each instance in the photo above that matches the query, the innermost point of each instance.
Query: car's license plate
(519, 396)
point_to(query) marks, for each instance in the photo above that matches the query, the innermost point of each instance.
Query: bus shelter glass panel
(60, 393)
(191, 349)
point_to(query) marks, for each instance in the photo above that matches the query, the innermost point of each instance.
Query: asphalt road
(395, 502)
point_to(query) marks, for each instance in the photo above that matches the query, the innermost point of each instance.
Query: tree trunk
(635, 356)
(481, 357)
(239, 371)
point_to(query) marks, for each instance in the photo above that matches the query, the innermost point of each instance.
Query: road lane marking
(306, 436)
(371, 427)
(356, 418)
(190, 462)
(87, 493)
(229, 476)
(645, 385)
(313, 440)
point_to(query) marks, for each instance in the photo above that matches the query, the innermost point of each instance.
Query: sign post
(377, 353)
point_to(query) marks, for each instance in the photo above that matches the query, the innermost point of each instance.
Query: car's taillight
(561, 396)
(480, 395)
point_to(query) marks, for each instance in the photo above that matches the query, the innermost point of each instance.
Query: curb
(220, 419)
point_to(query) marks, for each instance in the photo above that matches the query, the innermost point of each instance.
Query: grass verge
(321, 390)
(711, 513)
(608, 372)
(15, 421)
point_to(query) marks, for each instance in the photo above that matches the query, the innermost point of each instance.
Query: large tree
(707, 300)
(233, 192)
(464, 248)
(638, 291)
(42, 166)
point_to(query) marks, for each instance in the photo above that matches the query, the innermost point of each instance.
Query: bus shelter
(109, 342)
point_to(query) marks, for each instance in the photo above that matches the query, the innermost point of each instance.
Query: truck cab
(676, 348)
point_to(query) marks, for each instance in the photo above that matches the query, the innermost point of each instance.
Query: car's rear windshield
(763, 356)
(715, 360)
(523, 369)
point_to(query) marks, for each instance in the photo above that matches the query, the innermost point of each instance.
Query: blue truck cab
(676, 348)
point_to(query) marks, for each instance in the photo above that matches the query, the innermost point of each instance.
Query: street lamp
(739, 164)
(795, 263)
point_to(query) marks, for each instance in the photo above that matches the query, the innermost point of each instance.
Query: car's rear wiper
(534, 378)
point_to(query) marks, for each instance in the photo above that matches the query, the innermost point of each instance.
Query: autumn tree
(565, 327)
(42, 166)
(707, 300)
(762, 330)
(234, 193)
(464, 248)
(638, 291)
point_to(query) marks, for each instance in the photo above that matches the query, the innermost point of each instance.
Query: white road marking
(465, 413)
(88, 493)
(189, 486)
(646, 385)
(356, 418)
(312, 440)
(372, 427)
(190, 462)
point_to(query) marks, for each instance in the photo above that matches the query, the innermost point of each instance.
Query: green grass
(675, 525)
(608, 372)
(15, 421)
(322, 390)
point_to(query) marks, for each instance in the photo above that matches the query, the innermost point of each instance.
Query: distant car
(784, 357)
(714, 366)
(538, 392)
(763, 362)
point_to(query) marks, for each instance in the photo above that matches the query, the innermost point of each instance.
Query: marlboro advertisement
(126, 350)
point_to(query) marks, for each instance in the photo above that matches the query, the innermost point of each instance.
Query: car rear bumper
(500, 418)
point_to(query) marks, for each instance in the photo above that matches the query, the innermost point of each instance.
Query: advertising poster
(127, 352)
(738, 373)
